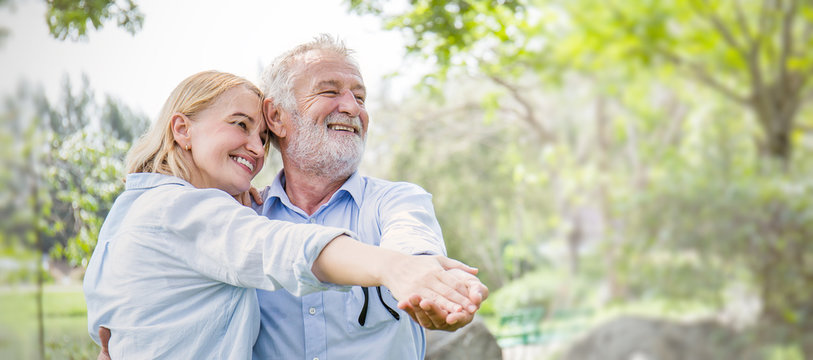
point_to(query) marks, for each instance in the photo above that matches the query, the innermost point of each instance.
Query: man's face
(329, 128)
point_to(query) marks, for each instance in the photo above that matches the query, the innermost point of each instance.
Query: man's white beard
(313, 149)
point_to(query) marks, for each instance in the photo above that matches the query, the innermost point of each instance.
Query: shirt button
(316, 358)
(313, 221)
(312, 311)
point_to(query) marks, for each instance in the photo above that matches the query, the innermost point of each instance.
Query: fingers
(421, 317)
(476, 290)
(449, 264)
(458, 320)
(243, 198)
(441, 320)
(413, 308)
(436, 315)
(408, 308)
(450, 294)
(255, 194)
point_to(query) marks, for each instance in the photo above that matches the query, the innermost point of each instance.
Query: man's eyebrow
(338, 84)
(359, 87)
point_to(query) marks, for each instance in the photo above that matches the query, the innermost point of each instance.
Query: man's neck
(308, 191)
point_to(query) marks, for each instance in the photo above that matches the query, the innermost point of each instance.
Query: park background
(632, 172)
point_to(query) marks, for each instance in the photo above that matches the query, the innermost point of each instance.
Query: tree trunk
(778, 146)
(807, 347)
(776, 109)
(40, 314)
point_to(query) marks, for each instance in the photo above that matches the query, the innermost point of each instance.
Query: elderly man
(316, 110)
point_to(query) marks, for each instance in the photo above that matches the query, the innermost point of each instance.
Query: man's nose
(348, 104)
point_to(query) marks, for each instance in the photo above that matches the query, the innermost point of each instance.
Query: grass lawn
(65, 324)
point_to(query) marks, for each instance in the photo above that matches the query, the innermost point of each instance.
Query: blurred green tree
(63, 166)
(683, 129)
(69, 19)
(752, 53)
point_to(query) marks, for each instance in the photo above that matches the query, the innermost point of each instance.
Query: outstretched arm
(346, 261)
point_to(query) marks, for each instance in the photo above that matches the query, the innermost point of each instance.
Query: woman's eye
(241, 124)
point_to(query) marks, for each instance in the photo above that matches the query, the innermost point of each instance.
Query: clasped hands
(439, 300)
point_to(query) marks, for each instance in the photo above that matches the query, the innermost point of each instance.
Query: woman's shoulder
(148, 194)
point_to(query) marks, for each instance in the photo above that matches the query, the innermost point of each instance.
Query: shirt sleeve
(229, 242)
(407, 221)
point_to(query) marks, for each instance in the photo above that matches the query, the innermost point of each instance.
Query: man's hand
(246, 197)
(104, 335)
(431, 316)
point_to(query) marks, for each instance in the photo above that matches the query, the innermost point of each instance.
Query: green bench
(521, 327)
(534, 325)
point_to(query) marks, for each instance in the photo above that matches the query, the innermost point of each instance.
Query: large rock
(473, 341)
(640, 338)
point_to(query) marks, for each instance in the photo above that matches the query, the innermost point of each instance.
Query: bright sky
(181, 37)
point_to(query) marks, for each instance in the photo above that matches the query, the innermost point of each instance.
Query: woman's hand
(446, 287)
(245, 197)
(429, 315)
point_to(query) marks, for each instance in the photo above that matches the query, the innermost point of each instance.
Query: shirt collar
(151, 180)
(353, 186)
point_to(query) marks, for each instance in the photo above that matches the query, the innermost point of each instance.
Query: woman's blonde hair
(156, 151)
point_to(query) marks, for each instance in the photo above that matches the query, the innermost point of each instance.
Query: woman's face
(226, 141)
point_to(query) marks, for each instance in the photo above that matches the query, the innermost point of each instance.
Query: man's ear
(273, 118)
(179, 124)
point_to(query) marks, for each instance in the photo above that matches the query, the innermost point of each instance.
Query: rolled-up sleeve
(231, 243)
(408, 222)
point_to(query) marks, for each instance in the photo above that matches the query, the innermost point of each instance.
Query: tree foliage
(635, 142)
(752, 53)
(71, 19)
(64, 166)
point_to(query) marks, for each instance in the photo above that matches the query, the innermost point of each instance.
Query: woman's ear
(179, 124)
(273, 118)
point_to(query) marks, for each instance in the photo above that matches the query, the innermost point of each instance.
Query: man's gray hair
(278, 80)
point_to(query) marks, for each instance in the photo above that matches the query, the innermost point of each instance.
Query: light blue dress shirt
(174, 269)
(324, 325)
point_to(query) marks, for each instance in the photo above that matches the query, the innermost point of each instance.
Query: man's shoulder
(377, 187)
(377, 184)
